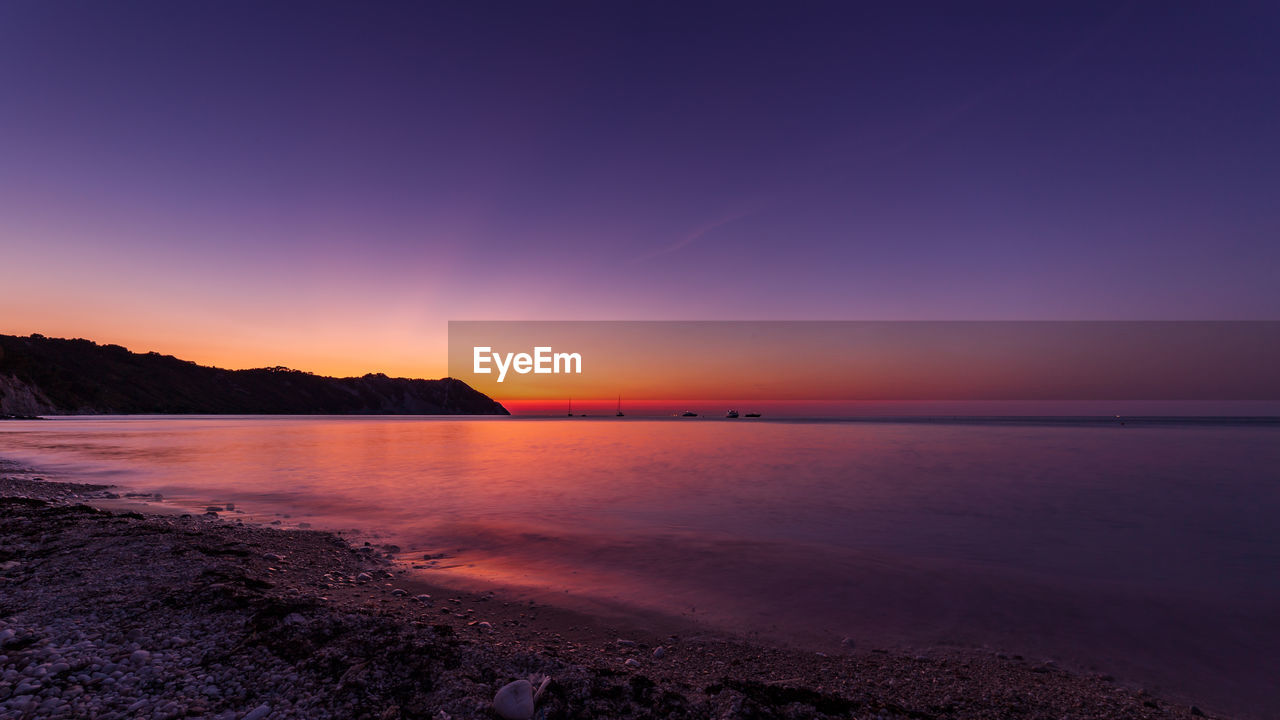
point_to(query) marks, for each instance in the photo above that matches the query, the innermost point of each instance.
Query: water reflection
(1150, 551)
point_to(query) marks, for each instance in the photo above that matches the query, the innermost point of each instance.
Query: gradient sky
(324, 186)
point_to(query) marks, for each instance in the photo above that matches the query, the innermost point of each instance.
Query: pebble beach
(113, 614)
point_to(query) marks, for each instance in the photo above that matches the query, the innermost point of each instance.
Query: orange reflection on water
(1155, 539)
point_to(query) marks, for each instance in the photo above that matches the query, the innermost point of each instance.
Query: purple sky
(325, 185)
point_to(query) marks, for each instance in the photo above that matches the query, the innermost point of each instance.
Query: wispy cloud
(697, 234)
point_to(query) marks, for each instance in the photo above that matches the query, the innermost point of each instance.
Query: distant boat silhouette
(731, 414)
(688, 413)
(620, 406)
(570, 407)
(752, 415)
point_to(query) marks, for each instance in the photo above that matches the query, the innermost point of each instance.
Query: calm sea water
(1149, 551)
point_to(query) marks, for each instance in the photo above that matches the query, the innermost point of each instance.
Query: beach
(116, 613)
(622, 360)
(1098, 549)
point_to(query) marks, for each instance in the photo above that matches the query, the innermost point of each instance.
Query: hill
(53, 376)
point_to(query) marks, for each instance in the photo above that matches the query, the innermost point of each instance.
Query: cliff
(51, 376)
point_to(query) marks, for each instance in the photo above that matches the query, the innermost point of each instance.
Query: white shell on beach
(514, 701)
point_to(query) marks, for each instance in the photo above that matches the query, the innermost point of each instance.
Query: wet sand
(115, 613)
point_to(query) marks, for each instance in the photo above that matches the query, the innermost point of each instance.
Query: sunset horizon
(635, 361)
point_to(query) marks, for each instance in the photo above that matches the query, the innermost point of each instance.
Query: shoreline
(119, 613)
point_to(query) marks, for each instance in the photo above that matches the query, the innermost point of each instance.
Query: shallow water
(1149, 551)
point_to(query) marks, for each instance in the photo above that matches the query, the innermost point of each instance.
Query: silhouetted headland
(53, 376)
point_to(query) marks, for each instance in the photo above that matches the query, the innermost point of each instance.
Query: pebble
(258, 713)
(632, 662)
(514, 701)
(658, 652)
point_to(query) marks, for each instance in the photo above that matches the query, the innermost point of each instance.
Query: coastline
(117, 613)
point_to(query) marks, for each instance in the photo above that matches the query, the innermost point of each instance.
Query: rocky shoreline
(118, 614)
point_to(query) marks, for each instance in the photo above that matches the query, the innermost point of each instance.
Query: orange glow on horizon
(653, 365)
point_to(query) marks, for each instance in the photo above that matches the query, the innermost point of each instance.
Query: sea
(1148, 549)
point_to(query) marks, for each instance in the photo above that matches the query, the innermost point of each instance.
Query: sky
(326, 185)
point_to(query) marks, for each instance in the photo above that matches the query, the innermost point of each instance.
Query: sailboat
(619, 414)
(570, 407)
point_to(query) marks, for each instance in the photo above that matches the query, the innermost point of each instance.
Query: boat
(570, 407)
(619, 414)
(752, 415)
(688, 413)
(731, 414)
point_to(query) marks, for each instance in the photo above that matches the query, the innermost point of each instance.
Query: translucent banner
(662, 368)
